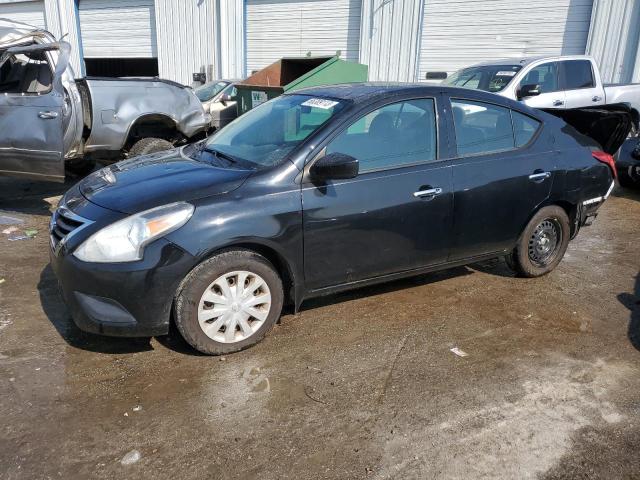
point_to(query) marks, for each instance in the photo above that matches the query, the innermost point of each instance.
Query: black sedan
(321, 190)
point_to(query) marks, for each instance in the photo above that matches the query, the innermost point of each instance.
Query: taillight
(607, 159)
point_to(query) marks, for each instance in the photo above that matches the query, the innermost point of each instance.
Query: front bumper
(123, 299)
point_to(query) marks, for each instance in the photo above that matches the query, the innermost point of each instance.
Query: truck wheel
(542, 244)
(228, 302)
(148, 145)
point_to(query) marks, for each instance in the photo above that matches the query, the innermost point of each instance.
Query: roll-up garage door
(118, 28)
(459, 34)
(25, 12)
(295, 28)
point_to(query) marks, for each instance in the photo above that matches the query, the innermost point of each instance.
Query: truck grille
(63, 223)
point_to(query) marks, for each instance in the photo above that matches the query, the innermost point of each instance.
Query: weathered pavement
(360, 385)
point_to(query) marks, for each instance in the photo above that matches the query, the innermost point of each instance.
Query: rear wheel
(626, 181)
(148, 145)
(229, 302)
(542, 244)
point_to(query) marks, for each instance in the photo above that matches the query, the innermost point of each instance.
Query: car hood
(609, 125)
(149, 181)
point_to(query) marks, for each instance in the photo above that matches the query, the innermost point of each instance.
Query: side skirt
(321, 292)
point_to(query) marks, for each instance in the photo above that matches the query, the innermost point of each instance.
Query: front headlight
(124, 241)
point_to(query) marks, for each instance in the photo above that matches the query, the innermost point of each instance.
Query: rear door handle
(48, 115)
(536, 177)
(557, 103)
(428, 192)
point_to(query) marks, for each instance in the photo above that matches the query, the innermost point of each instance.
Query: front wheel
(542, 244)
(228, 302)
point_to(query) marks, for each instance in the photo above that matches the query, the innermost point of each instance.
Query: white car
(563, 82)
(219, 99)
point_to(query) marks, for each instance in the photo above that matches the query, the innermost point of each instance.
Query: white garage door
(294, 28)
(25, 12)
(118, 28)
(458, 34)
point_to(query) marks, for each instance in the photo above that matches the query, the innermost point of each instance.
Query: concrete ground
(359, 385)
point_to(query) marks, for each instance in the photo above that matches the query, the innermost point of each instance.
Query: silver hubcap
(544, 242)
(234, 306)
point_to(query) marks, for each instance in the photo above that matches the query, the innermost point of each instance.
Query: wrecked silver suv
(49, 119)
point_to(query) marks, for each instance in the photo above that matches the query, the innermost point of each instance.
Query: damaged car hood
(149, 181)
(609, 125)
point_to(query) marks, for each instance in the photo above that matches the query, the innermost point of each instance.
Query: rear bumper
(126, 299)
(588, 209)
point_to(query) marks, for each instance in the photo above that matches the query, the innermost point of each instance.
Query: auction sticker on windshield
(320, 103)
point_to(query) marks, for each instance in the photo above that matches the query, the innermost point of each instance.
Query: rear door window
(576, 74)
(481, 127)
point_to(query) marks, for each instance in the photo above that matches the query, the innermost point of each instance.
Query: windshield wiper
(219, 154)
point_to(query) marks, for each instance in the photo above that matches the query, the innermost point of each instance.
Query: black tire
(148, 145)
(627, 182)
(187, 300)
(537, 252)
(80, 168)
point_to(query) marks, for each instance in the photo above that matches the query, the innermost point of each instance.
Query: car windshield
(490, 78)
(265, 135)
(209, 90)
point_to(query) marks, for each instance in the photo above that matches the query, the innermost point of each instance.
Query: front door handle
(557, 103)
(539, 176)
(596, 98)
(427, 192)
(48, 115)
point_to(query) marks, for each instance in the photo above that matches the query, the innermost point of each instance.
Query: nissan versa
(326, 189)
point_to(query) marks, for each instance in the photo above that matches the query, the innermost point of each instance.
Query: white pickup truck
(564, 82)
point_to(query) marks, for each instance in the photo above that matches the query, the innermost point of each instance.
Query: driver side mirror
(532, 90)
(226, 98)
(334, 166)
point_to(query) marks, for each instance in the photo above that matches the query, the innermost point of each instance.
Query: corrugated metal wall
(456, 34)
(390, 38)
(62, 20)
(186, 38)
(294, 28)
(31, 12)
(118, 28)
(614, 39)
(231, 39)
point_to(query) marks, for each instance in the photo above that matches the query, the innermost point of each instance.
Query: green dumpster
(289, 74)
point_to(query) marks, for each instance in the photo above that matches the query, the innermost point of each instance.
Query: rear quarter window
(524, 128)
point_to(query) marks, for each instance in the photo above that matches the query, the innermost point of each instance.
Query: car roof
(372, 91)
(527, 60)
